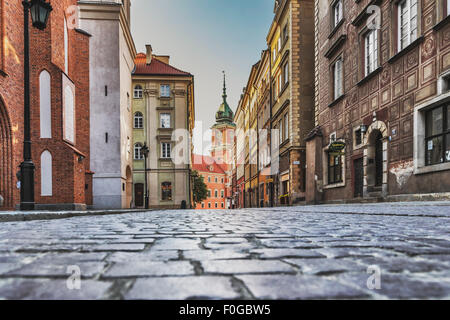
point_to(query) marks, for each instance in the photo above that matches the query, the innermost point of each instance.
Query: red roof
(156, 67)
(206, 164)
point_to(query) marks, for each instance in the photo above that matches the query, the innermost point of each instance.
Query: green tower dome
(224, 114)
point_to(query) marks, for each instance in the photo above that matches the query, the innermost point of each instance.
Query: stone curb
(13, 217)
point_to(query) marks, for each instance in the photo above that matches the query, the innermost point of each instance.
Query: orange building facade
(215, 178)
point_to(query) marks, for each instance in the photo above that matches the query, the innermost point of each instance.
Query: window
(437, 135)
(166, 150)
(45, 117)
(274, 54)
(222, 205)
(166, 191)
(215, 205)
(371, 52)
(69, 114)
(203, 205)
(337, 13)
(138, 155)
(209, 179)
(358, 137)
(280, 134)
(279, 44)
(279, 79)
(209, 193)
(407, 23)
(337, 79)
(46, 174)
(138, 92)
(448, 7)
(286, 126)
(209, 205)
(222, 193)
(334, 168)
(285, 32)
(165, 120)
(164, 91)
(216, 194)
(138, 120)
(215, 180)
(222, 180)
(286, 73)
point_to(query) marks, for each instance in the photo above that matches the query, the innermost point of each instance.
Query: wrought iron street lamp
(145, 150)
(40, 10)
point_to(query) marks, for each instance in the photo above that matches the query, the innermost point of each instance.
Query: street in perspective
(268, 151)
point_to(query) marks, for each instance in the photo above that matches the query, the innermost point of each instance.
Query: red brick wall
(214, 186)
(47, 52)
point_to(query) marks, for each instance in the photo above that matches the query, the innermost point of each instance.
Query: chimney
(149, 53)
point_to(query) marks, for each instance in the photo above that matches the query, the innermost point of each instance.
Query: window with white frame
(137, 93)
(216, 194)
(448, 7)
(370, 52)
(164, 91)
(222, 194)
(279, 44)
(138, 120)
(407, 23)
(437, 135)
(338, 78)
(166, 150)
(165, 120)
(138, 154)
(337, 13)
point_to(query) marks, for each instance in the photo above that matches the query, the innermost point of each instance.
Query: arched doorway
(6, 172)
(129, 188)
(375, 160)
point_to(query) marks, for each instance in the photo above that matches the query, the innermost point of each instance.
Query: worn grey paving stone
(402, 264)
(270, 243)
(42, 269)
(287, 253)
(298, 287)
(156, 255)
(115, 247)
(320, 266)
(246, 266)
(45, 289)
(226, 240)
(182, 288)
(149, 269)
(200, 255)
(400, 286)
(231, 246)
(71, 257)
(176, 244)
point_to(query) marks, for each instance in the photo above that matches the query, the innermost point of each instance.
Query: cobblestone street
(310, 252)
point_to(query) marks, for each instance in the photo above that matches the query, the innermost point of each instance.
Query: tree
(200, 190)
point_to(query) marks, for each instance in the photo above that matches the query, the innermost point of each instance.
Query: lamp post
(145, 151)
(40, 10)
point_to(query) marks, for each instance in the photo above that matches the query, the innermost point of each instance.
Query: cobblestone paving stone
(310, 252)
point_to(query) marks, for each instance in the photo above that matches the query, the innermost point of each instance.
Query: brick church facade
(382, 88)
(59, 76)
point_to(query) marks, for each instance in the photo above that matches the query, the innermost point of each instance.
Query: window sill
(369, 76)
(336, 101)
(411, 46)
(432, 168)
(336, 28)
(442, 23)
(335, 185)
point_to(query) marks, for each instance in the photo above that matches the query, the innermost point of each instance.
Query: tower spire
(224, 96)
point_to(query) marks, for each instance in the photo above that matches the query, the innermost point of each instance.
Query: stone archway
(129, 188)
(376, 160)
(6, 156)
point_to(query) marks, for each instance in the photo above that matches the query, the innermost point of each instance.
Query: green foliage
(200, 190)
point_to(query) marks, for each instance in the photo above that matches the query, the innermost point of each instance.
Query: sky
(205, 37)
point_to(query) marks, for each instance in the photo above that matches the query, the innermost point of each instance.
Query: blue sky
(205, 37)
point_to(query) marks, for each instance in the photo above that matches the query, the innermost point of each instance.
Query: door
(139, 194)
(379, 160)
(359, 177)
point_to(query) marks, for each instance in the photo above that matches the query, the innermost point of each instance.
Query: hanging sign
(337, 146)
